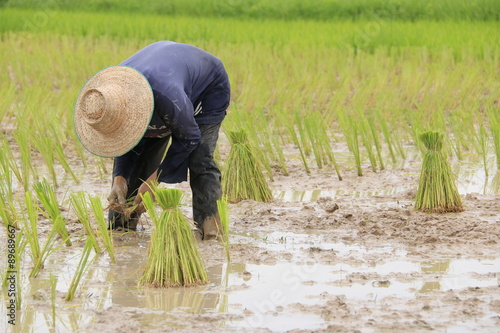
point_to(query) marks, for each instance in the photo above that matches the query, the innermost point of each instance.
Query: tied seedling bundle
(173, 258)
(243, 176)
(437, 191)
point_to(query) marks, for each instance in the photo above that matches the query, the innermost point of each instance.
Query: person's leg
(205, 181)
(149, 161)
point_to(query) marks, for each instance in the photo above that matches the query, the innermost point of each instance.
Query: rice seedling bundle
(173, 258)
(437, 191)
(242, 174)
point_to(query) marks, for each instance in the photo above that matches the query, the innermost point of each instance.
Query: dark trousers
(204, 174)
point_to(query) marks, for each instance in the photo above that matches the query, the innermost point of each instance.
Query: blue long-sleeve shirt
(190, 88)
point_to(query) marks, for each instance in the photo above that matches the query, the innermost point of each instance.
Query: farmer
(166, 91)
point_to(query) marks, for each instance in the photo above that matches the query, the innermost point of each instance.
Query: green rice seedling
(311, 129)
(173, 258)
(7, 212)
(367, 138)
(223, 208)
(376, 140)
(386, 133)
(81, 208)
(8, 98)
(278, 148)
(8, 209)
(47, 197)
(21, 137)
(59, 153)
(437, 191)
(350, 130)
(8, 160)
(494, 122)
(43, 143)
(31, 226)
(105, 235)
(83, 265)
(483, 147)
(295, 139)
(242, 174)
(271, 147)
(316, 130)
(301, 128)
(48, 248)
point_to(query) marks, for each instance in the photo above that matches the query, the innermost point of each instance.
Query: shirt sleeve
(126, 163)
(177, 111)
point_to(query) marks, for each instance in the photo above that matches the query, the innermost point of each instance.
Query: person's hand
(118, 191)
(146, 186)
(138, 199)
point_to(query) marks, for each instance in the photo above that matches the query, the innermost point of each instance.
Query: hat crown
(113, 110)
(103, 107)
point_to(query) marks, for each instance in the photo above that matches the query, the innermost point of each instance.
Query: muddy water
(260, 291)
(258, 294)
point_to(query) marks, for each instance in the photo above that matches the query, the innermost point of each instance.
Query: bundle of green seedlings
(242, 174)
(437, 191)
(173, 258)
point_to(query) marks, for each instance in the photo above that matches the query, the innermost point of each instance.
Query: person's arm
(179, 115)
(123, 165)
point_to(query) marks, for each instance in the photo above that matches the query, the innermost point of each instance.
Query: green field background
(396, 68)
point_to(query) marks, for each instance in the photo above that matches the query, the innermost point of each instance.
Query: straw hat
(113, 110)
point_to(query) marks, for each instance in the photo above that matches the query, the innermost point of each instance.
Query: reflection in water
(438, 268)
(124, 290)
(314, 195)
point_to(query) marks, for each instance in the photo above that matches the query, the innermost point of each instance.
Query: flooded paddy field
(324, 256)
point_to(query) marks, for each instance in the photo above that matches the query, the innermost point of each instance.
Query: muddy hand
(145, 187)
(118, 191)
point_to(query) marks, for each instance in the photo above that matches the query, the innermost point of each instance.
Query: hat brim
(138, 112)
